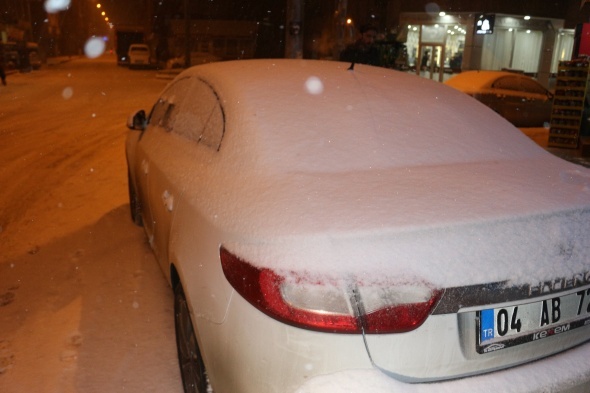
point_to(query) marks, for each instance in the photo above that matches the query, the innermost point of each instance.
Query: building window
(512, 49)
(563, 49)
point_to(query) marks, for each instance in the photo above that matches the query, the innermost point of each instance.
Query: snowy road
(83, 304)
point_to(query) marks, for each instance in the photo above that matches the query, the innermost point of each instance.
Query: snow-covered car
(139, 55)
(317, 221)
(517, 97)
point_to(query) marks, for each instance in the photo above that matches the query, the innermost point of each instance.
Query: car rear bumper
(444, 348)
(567, 372)
(252, 353)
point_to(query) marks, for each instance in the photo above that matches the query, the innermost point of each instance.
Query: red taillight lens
(400, 318)
(327, 305)
(262, 288)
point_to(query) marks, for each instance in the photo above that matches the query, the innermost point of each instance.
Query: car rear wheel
(192, 368)
(134, 203)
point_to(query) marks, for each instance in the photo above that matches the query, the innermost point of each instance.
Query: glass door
(430, 65)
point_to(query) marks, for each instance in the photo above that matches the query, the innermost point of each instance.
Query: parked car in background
(518, 98)
(139, 55)
(359, 219)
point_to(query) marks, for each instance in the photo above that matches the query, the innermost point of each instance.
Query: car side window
(531, 86)
(507, 83)
(200, 116)
(158, 112)
(164, 112)
(519, 84)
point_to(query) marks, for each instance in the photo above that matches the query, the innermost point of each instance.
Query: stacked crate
(568, 104)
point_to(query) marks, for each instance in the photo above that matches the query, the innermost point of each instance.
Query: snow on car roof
(343, 120)
(328, 165)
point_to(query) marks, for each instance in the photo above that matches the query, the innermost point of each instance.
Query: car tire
(134, 205)
(192, 368)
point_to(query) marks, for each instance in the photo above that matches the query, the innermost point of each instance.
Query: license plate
(500, 328)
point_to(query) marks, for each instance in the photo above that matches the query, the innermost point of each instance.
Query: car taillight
(398, 308)
(338, 306)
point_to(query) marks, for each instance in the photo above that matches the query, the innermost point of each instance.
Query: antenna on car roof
(351, 68)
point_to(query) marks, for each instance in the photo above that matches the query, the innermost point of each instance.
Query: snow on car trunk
(522, 235)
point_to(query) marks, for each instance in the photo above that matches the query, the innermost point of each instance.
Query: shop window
(497, 50)
(563, 49)
(513, 49)
(433, 34)
(454, 47)
(527, 50)
(450, 37)
(412, 42)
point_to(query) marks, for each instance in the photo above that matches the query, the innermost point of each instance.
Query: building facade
(439, 45)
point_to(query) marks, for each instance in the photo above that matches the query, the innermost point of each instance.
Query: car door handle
(168, 200)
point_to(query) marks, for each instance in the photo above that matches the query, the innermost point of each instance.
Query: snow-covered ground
(83, 305)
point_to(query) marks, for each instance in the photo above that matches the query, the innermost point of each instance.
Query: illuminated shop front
(442, 44)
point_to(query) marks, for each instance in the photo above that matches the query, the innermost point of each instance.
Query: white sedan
(324, 221)
(139, 55)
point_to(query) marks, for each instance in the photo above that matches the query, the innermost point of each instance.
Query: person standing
(363, 51)
(424, 62)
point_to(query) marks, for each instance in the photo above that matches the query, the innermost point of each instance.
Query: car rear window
(373, 124)
(191, 109)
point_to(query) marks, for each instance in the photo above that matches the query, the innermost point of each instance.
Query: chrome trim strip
(456, 298)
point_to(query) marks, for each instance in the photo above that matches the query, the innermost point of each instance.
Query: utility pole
(294, 30)
(187, 35)
(340, 27)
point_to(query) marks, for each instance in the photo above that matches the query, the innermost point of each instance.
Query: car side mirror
(137, 121)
